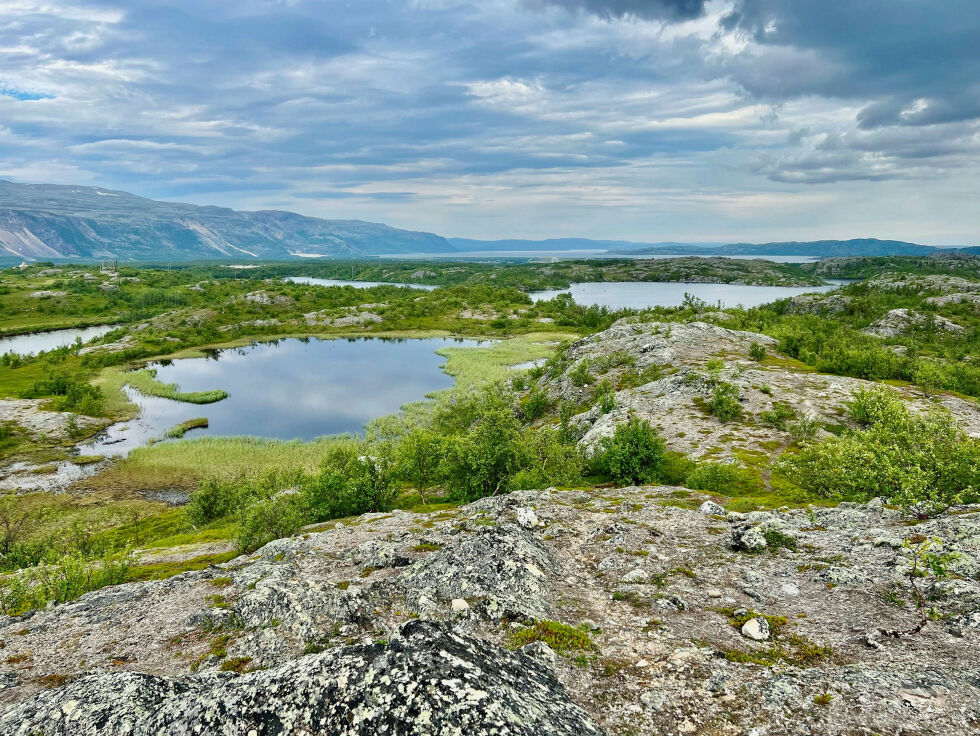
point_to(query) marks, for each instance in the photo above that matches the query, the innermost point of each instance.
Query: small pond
(35, 342)
(646, 294)
(289, 389)
(355, 284)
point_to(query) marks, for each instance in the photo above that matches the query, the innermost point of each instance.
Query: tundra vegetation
(496, 432)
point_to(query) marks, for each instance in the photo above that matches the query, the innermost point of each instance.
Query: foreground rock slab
(626, 605)
(427, 681)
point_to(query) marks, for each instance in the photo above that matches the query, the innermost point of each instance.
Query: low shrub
(634, 454)
(269, 519)
(922, 462)
(724, 402)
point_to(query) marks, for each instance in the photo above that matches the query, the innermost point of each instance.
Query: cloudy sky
(647, 120)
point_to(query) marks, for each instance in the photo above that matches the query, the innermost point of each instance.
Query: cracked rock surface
(361, 625)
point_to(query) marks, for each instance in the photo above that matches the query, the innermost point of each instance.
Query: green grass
(184, 427)
(471, 366)
(560, 637)
(162, 570)
(145, 381)
(181, 464)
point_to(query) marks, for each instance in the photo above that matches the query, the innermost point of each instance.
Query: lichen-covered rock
(748, 538)
(503, 568)
(658, 657)
(429, 681)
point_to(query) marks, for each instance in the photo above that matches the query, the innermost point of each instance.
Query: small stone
(714, 593)
(607, 563)
(892, 542)
(635, 576)
(653, 699)
(710, 508)
(459, 605)
(527, 518)
(642, 663)
(748, 539)
(589, 625)
(790, 589)
(540, 651)
(756, 629)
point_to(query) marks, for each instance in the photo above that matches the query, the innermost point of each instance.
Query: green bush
(724, 402)
(581, 373)
(922, 462)
(605, 396)
(482, 461)
(61, 581)
(348, 486)
(779, 415)
(634, 454)
(534, 404)
(418, 455)
(269, 519)
(216, 499)
(549, 461)
(69, 393)
(757, 352)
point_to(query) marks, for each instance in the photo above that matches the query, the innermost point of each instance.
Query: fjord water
(356, 284)
(289, 389)
(648, 294)
(35, 342)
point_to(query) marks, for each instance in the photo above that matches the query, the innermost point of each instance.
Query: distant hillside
(814, 248)
(48, 221)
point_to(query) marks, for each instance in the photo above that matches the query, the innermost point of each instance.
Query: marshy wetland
(289, 389)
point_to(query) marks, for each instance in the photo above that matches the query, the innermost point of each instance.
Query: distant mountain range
(47, 221)
(815, 248)
(43, 221)
(568, 244)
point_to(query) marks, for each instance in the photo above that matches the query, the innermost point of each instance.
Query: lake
(646, 294)
(35, 342)
(573, 255)
(288, 389)
(355, 284)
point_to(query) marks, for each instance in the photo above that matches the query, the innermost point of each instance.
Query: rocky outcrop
(386, 624)
(897, 322)
(937, 283)
(676, 404)
(818, 304)
(427, 681)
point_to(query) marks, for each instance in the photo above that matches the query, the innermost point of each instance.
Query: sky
(644, 120)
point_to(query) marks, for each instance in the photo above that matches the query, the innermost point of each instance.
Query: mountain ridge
(53, 221)
(64, 221)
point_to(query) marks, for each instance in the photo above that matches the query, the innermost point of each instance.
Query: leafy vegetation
(634, 454)
(922, 462)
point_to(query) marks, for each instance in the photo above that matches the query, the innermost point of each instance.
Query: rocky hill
(41, 221)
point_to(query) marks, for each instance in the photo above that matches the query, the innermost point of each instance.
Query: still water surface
(290, 389)
(355, 284)
(35, 342)
(646, 294)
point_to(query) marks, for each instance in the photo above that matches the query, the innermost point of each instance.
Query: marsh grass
(184, 427)
(492, 362)
(145, 381)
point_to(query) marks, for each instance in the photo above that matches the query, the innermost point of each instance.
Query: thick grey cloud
(656, 119)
